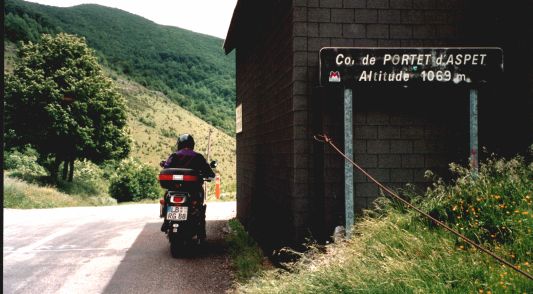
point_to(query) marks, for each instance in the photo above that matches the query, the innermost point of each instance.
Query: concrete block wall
(265, 158)
(291, 183)
(396, 143)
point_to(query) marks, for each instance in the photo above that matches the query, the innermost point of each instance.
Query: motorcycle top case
(170, 178)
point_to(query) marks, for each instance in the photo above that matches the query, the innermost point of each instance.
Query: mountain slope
(154, 121)
(188, 67)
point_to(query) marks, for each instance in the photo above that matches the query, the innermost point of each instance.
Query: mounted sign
(353, 67)
(238, 119)
(407, 66)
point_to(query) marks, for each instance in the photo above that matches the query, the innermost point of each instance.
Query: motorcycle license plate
(177, 213)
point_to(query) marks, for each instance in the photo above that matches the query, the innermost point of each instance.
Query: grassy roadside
(20, 194)
(247, 257)
(396, 251)
(395, 254)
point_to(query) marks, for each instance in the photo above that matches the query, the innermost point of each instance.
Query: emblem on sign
(334, 77)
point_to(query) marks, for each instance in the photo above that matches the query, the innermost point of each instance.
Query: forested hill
(188, 67)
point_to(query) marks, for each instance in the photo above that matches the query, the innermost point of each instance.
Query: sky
(210, 17)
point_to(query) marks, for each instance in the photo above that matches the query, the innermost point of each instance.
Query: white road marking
(69, 249)
(40, 243)
(9, 248)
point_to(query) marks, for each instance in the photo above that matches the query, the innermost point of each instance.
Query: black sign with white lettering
(407, 66)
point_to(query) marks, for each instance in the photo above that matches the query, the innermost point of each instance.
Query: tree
(133, 181)
(59, 101)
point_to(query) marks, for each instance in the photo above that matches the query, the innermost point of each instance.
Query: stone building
(291, 187)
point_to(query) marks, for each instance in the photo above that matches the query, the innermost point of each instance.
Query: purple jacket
(187, 158)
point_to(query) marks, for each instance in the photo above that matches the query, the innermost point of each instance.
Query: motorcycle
(183, 207)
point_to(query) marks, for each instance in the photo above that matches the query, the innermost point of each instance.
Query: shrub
(169, 133)
(135, 181)
(147, 121)
(23, 164)
(88, 180)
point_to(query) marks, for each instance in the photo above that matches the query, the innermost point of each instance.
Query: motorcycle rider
(186, 157)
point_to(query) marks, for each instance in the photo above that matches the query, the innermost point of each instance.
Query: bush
(23, 164)
(89, 180)
(147, 121)
(134, 181)
(169, 133)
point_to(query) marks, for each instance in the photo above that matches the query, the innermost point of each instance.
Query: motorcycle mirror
(213, 164)
(162, 163)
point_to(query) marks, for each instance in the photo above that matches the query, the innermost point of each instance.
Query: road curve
(113, 249)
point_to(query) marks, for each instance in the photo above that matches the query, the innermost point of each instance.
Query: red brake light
(188, 178)
(184, 178)
(165, 177)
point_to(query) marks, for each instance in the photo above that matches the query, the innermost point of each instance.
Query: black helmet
(185, 140)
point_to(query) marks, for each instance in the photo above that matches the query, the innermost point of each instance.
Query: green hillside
(189, 68)
(154, 122)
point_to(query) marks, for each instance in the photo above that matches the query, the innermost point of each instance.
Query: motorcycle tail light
(185, 178)
(177, 199)
(182, 178)
(165, 177)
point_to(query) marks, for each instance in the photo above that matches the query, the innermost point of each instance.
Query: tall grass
(395, 251)
(246, 255)
(20, 194)
(493, 208)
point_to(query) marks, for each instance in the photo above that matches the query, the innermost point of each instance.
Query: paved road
(116, 249)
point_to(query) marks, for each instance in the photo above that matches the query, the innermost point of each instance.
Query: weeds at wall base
(394, 250)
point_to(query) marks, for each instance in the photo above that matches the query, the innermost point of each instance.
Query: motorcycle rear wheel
(177, 247)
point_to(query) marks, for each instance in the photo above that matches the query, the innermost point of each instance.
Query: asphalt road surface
(117, 249)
